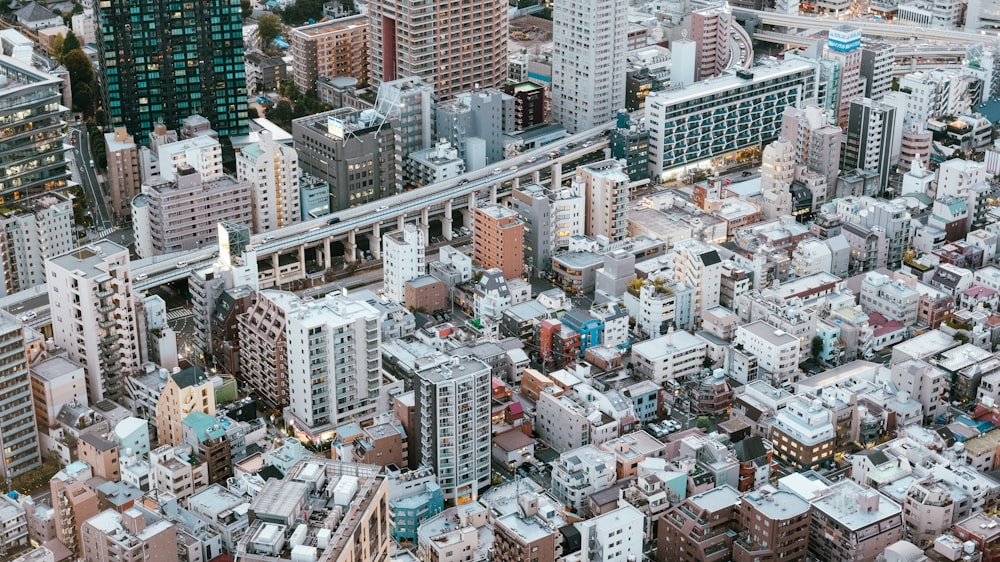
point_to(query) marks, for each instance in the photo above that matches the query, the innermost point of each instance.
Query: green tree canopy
(246, 7)
(70, 43)
(268, 28)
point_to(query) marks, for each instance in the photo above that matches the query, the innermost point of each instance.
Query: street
(86, 174)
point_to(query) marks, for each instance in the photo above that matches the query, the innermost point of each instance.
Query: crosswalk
(105, 232)
(179, 313)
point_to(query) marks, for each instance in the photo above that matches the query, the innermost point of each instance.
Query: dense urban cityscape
(522, 281)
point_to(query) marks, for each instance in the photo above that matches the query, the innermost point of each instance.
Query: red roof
(978, 291)
(883, 325)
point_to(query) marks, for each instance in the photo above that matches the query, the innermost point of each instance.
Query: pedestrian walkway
(105, 232)
(178, 313)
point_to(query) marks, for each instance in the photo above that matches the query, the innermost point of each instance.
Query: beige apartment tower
(456, 46)
(330, 49)
(498, 240)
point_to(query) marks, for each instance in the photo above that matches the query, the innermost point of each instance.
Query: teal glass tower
(162, 61)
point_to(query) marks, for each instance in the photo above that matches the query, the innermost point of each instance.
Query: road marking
(179, 313)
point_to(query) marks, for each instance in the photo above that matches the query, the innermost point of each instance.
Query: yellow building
(190, 390)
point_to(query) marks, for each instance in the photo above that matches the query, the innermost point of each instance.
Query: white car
(29, 316)
(382, 208)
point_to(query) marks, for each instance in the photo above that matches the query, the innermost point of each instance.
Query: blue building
(645, 396)
(409, 512)
(591, 329)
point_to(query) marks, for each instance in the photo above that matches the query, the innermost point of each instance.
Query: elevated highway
(868, 28)
(436, 201)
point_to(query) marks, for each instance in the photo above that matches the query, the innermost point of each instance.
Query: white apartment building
(925, 383)
(334, 364)
(574, 419)
(956, 176)
(203, 154)
(893, 299)
(671, 356)
(93, 315)
(811, 256)
(402, 260)
(777, 352)
(698, 265)
(615, 536)
(579, 473)
(438, 163)
(32, 231)
(589, 41)
(453, 432)
(272, 169)
(605, 187)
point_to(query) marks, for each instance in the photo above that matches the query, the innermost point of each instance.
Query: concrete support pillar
(326, 258)
(351, 248)
(302, 259)
(472, 201)
(425, 224)
(536, 177)
(515, 183)
(376, 241)
(493, 192)
(275, 265)
(375, 245)
(556, 175)
(447, 222)
(400, 222)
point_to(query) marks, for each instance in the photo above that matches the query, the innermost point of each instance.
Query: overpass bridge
(282, 254)
(868, 28)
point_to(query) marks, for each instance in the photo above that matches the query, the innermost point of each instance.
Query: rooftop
(770, 334)
(844, 503)
(716, 499)
(776, 504)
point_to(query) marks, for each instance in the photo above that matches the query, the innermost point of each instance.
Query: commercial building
(736, 111)
(188, 61)
(498, 240)
(550, 218)
(93, 315)
(844, 47)
(402, 260)
(183, 213)
(329, 49)
(456, 51)
(272, 170)
(453, 428)
(124, 178)
(588, 62)
(353, 151)
(31, 100)
(32, 231)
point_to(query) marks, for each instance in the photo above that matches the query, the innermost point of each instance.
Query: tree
(70, 43)
(57, 46)
(280, 114)
(302, 11)
(246, 6)
(268, 28)
(704, 423)
(816, 347)
(81, 80)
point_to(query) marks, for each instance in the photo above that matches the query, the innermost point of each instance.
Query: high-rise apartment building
(272, 170)
(588, 62)
(190, 390)
(605, 188)
(774, 525)
(183, 213)
(870, 130)
(124, 178)
(161, 64)
(353, 151)
(402, 260)
(853, 523)
(409, 103)
(93, 315)
(32, 231)
(453, 435)
(330, 49)
(550, 220)
(878, 61)
(334, 364)
(456, 50)
(264, 347)
(18, 436)
(31, 108)
(498, 240)
(817, 142)
(710, 30)
(736, 111)
(844, 46)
